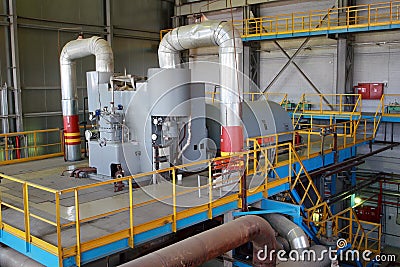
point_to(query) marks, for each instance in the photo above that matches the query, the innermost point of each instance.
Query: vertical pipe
(243, 191)
(227, 38)
(108, 20)
(15, 65)
(104, 63)
(4, 109)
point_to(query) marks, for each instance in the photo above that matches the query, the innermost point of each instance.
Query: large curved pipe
(292, 232)
(75, 49)
(224, 35)
(208, 245)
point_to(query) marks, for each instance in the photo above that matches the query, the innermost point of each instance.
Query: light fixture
(357, 200)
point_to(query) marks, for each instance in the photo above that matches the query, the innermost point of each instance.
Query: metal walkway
(61, 221)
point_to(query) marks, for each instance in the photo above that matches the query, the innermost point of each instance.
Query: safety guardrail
(343, 105)
(30, 145)
(344, 18)
(26, 146)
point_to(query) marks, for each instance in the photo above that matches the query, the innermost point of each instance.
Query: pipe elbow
(228, 38)
(96, 46)
(104, 55)
(168, 54)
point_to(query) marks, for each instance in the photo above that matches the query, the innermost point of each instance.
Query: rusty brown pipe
(208, 245)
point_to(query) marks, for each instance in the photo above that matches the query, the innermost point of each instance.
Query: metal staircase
(359, 235)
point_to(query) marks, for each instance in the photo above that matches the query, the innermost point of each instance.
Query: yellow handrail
(33, 145)
(367, 15)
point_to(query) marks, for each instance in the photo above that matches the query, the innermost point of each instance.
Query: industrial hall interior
(212, 133)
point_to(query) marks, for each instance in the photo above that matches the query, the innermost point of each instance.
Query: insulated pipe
(292, 232)
(224, 35)
(4, 109)
(208, 245)
(75, 49)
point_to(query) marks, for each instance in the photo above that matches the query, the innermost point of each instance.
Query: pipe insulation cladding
(227, 38)
(73, 50)
(208, 245)
(298, 240)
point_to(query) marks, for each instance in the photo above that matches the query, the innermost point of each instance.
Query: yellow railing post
(365, 130)
(391, 12)
(1, 213)
(369, 14)
(61, 141)
(27, 216)
(329, 19)
(131, 226)
(265, 193)
(320, 104)
(210, 187)
(290, 164)
(6, 147)
(308, 143)
(78, 229)
(255, 159)
(292, 22)
(174, 200)
(276, 148)
(312, 121)
(351, 226)
(58, 222)
(379, 237)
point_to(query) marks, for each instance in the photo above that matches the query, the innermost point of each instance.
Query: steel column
(251, 53)
(15, 64)
(108, 21)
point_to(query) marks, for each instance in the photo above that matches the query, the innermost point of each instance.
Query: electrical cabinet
(369, 90)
